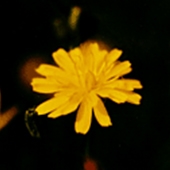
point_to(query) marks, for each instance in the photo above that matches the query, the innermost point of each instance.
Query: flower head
(81, 77)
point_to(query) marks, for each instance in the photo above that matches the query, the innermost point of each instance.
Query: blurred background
(140, 136)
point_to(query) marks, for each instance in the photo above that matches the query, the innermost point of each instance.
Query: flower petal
(51, 104)
(93, 56)
(77, 57)
(134, 98)
(57, 74)
(132, 84)
(62, 59)
(112, 56)
(101, 114)
(80, 67)
(42, 85)
(90, 80)
(123, 84)
(49, 70)
(99, 60)
(86, 49)
(115, 95)
(92, 98)
(125, 71)
(119, 69)
(68, 107)
(83, 118)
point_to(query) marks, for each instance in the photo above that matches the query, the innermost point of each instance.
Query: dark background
(140, 136)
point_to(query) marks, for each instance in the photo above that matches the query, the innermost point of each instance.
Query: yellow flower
(81, 77)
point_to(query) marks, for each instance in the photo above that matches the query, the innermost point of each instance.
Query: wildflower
(81, 78)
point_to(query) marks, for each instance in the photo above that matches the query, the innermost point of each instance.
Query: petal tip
(51, 116)
(80, 131)
(40, 113)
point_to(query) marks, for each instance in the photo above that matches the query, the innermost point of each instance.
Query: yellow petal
(68, 107)
(86, 49)
(112, 56)
(133, 98)
(62, 59)
(90, 80)
(101, 114)
(66, 92)
(107, 69)
(51, 104)
(99, 60)
(83, 118)
(78, 61)
(118, 69)
(50, 70)
(92, 98)
(42, 85)
(123, 84)
(93, 56)
(132, 83)
(125, 71)
(57, 74)
(115, 95)
(77, 57)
